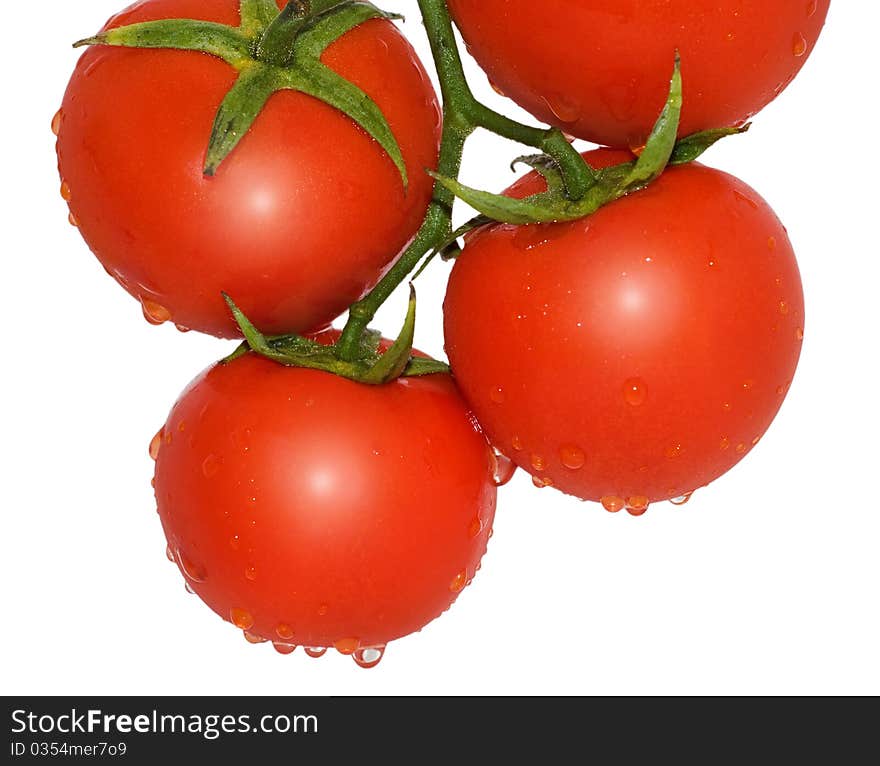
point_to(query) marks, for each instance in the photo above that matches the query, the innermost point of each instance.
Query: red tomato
(134, 129)
(309, 510)
(635, 355)
(600, 70)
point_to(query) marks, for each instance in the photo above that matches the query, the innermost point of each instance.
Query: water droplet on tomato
(250, 573)
(613, 503)
(156, 444)
(347, 646)
(637, 505)
(497, 89)
(241, 618)
(741, 449)
(66, 194)
(459, 582)
(538, 463)
(370, 657)
(497, 395)
(189, 588)
(541, 482)
(516, 443)
(475, 527)
(564, 110)
(724, 444)
(812, 7)
(169, 553)
(210, 466)
(799, 45)
(771, 243)
(283, 648)
(235, 542)
(682, 499)
(531, 236)
(181, 328)
(799, 333)
(635, 392)
(673, 451)
(253, 638)
(572, 457)
(783, 307)
(155, 313)
(323, 610)
(191, 570)
(315, 652)
(503, 471)
(71, 218)
(742, 197)
(56, 122)
(284, 632)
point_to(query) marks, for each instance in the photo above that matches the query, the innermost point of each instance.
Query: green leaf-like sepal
(691, 147)
(547, 167)
(256, 15)
(394, 361)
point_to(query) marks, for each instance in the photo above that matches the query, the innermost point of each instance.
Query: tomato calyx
(612, 183)
(271, 51)
(371, 365)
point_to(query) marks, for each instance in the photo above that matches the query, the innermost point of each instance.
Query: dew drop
(682, 499)
(475, 527)
(497, 89)
(66, 194)
(156, 444)
(323, 610)
(181, 328)
(497, 395)
(347, 646)
(812, 7)
(572, 457)
(727, 406)
(799, 333)
(771, 243)
(783, 307)
(538, 463)
(56, 122)
(169, 553)
(155, 313)
(189, 588)
(71, 218)
(542, 482)
(503, 470)
(799, 45)
(613, 503)
(637, 505)
(253, 638)
(740, 449)
(756, 440)
(517, 443)
(235, 542)
(635, 392)
(210, 466)
(284, 632)
(459, 582)
(745, 198)
(250, 573)
(241, 618)
(724, 444)
(370, 657)
(564, 111)
(192, 571)
(315, 652)
(283, 648)
(673, 451)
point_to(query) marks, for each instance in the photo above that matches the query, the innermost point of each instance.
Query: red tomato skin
(600, 70)
(320, 512)
(299, 222)
(638, 353)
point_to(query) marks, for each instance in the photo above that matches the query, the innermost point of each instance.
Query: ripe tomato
(635, 355)
(134, 129)
(600, 70)
(310, 510)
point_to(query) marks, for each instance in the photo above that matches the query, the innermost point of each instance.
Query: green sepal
(548, 169)
(256, 15)
(218, 40)
(691, 147)
(394, 361)
(419, 367)
(661, 143)
(319, 33)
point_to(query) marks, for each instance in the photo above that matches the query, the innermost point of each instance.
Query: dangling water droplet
(572, 457)
(613, 503)
(181, 328)
(497, 395)
(347, 646)
(497, 89)
(71, 218)
(564, 110)
(635, 392)
(210, 466)
(542, 482)
(504, 469)
(799, 333)
(283, 648)
(315, 652)
(538, 463)
(66, 194)
(56, 122)
(459, 582)
(190, 569)
(189, 588)
(169, 553)
(253, 638)
(156, 444)
(637, 505)
(682, 499)
(799, 45)
(369, 657)
(241, 618)
(155, 313)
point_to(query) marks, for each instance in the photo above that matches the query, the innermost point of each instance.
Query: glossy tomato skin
(635, 355)
(302, 218)
(310, 510)
(600, 70)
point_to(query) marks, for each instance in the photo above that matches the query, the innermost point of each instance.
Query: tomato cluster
(325, 489)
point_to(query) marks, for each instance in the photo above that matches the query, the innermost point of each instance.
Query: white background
(767, 583)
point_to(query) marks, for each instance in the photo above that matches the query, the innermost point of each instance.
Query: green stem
(462, 114)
